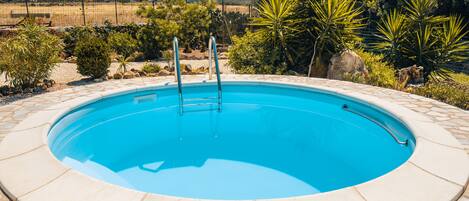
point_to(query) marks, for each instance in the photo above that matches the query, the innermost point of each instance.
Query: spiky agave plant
(276, 22)
(336, 24)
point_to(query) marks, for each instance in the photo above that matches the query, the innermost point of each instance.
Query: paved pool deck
(452, 119)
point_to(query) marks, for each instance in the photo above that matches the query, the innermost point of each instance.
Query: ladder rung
(201, 99)
(199, 104)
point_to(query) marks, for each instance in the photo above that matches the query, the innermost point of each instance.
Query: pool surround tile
(31, 172)
(74, 186)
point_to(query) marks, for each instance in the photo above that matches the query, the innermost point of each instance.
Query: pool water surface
(268, 141)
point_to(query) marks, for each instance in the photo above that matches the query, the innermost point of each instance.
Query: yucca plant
(453, 47)
(392, 31)
(336, 24)
(276, 22)
(427, 40)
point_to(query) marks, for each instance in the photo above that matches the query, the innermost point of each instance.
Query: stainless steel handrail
(390, 132)
(177, 72)
(212, 44)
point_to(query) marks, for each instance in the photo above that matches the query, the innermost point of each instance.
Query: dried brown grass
(95, 13)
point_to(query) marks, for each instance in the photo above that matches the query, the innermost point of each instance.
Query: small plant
(380, 73)
(151, 68)
(93, 57)
(29, 57)
(446, 91)
(124, 45)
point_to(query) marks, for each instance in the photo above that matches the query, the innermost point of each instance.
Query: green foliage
(93, 57)
(393, 30)
(189, 22)
(380, 73)
(29, 57)
(73, 35)
(230, 24)
(196, 21)
(151, 68)
(446, 91)
(335, 26)
(277, 23)
(123, 44)
(251, 54)
(147, 41)
(419, 37)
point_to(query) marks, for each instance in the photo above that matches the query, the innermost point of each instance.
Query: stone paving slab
(453, 119)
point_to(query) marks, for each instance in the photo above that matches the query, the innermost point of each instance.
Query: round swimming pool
(268, 141)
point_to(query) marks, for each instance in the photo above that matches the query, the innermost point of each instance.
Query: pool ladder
(190, 102)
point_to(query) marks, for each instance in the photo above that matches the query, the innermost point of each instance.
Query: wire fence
(60, 13)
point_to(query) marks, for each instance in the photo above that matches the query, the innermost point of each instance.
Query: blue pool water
(269, 141)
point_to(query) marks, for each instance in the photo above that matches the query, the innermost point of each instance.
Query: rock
(98, 80)
(187, 68)
(4, 90)
(39, 89)
(152, 74)
(128, 75)
(28, 90)
(170, 69)
(201, 70)
(164, 73)
(346, 62)
(48, 83)
(411, 75)
(118, 76)
(142, 74)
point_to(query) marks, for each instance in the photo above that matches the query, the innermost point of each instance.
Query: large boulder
(346, 62)
(411, 75)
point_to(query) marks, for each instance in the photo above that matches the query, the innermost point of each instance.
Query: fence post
(115, 5)
(223, 7)
(27, 8)
(83, 11)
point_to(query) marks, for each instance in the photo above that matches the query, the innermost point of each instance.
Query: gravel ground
(66, 75)
(66, 72)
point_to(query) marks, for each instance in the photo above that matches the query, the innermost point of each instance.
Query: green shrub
(73, 35)
(93, 57)
(147, 42)
(446, 91)
(196, 21)
(380, 73)
(250, 54)
(29, 57)
(123, 44)
(151, 68)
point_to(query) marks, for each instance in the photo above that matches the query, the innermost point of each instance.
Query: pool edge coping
(432, 173)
